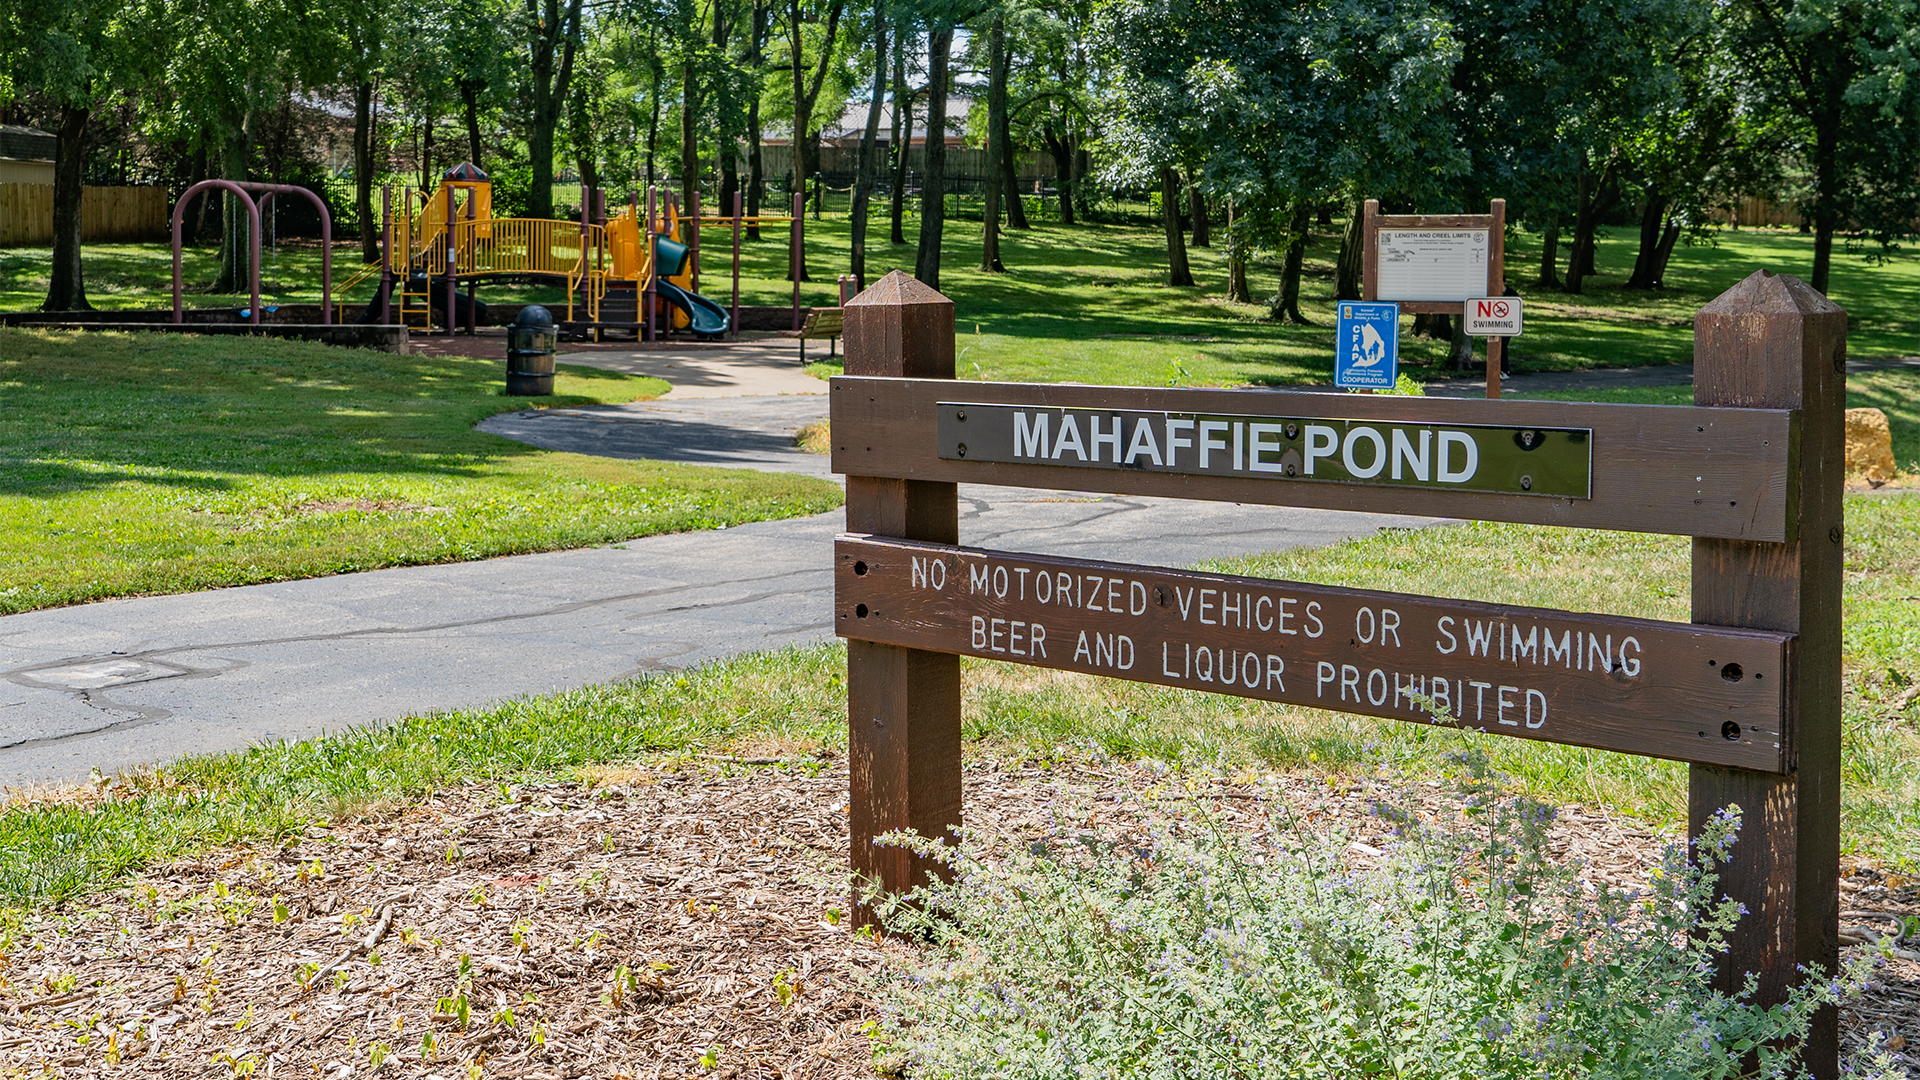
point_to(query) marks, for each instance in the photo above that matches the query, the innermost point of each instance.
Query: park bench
(821, 323)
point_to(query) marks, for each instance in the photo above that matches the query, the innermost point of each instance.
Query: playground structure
(637, 271)
(246, 193)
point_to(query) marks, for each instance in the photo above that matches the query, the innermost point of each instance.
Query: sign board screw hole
(1293, 432)
(963, 449)
(1730, 731)
(1731, 673)
(861, 611)
(960, 416)
(860, 568)
(1526, 483)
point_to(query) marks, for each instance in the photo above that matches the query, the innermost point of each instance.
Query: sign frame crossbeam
(1675, 703)
(1728, 473)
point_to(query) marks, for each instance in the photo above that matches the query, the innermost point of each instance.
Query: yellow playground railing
(589, 256)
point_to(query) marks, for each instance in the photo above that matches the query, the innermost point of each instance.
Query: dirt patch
(666, 920)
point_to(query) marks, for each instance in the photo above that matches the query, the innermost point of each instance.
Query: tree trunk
(67, 284)
(1287, 305)
(1177, 272)
(1592, 204)
(426, 153)
(470, 99)
(933, 186)
(903, 143)
(797, 267)
(996, 121)
(1082, 168)
(756, 173)
(869, 151)
(586, 148)
(1061, 147)
(1652, 221)
(1237, 290)
(1003, 140)
(805, 92)
(1664, 253)
(1347, 273)
(191, 223)
(556, 37)
(1462, 352)
(1202, 237)
(1550, 257)
(689, 139)
(363, 172)
(236, 246)
(1826, 187)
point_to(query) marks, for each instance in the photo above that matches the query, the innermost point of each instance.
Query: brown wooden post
(1773, 342)
(1370, 250)
(1496, 284)
(903, 705)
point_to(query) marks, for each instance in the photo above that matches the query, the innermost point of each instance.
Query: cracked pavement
(127, 682)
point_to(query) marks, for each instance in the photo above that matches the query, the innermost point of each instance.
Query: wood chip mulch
(682, 919)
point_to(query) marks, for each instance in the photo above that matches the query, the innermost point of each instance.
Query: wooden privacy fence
(1748, 693)
(107, 214)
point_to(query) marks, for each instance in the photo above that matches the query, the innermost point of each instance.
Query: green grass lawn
(793, 703)
(150, 463)
(1046, 320)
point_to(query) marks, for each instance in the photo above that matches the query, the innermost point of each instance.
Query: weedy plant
(1189, 949)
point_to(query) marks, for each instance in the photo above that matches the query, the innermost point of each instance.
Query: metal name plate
(1556, 462)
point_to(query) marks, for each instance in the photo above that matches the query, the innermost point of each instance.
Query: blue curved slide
(703, 315)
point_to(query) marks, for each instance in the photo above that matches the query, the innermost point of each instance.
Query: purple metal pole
(386, 255)
(693, 246)
(473, 282)
(268, 191)
(653, 268)
(736, 266)
(453, 261)
(253, 221)
(796, 247)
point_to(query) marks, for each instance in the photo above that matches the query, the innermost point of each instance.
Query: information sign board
(1696, 693)
(1432, 264)
(1492, 316)
(1367, 346)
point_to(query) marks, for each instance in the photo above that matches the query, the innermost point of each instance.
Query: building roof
(27, 144)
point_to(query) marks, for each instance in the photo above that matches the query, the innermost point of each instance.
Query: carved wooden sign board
(1747, 693)
(1692, 693)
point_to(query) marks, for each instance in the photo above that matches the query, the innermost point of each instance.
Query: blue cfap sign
(1367, 346)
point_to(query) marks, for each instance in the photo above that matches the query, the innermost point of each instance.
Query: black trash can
(530, 343)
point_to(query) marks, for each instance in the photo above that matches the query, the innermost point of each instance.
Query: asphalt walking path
(128, 682)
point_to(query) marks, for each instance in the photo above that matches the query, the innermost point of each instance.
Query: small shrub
(1199, 952)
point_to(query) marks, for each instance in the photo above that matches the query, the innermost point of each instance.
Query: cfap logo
(1367, 346)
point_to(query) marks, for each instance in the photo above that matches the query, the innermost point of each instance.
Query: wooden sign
(1750, 697)
(1645, 468)
(1430, 263)
(1672, 690)
(1308, 449)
